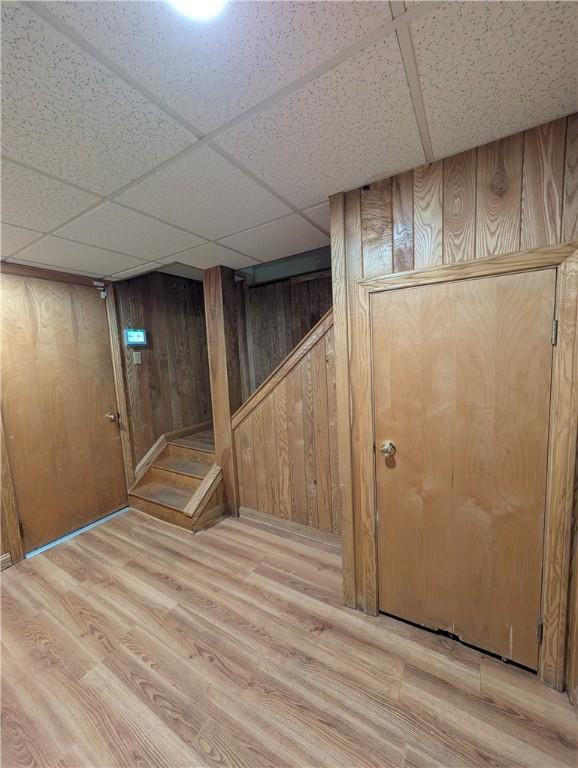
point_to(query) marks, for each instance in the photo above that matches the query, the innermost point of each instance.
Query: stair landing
(200, 441)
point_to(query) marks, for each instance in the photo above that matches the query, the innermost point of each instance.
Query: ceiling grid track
(397, 24)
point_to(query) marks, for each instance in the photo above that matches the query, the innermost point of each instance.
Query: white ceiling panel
(65, 114)
(278, 239)
(211, 255)
(205, 193)
(489, 69)
(120, 229)
(30, 199)
(64, 254)
(351, 125)
(182, 270)
(14, 238)
(320, 215)
(142, 269)
(212, 72)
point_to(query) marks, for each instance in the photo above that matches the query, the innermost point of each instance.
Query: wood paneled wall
(514, 194)
(273, 318)
(285, 438)
(170, 389)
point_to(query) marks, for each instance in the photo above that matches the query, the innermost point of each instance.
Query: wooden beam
(41, 273)
(217, 284)
(341, 344)
(11, 537)
(119, 386)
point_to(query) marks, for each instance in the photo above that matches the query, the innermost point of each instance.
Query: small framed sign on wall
(135, 337)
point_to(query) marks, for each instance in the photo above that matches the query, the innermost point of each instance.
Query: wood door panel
(461, 384)
(57, 387)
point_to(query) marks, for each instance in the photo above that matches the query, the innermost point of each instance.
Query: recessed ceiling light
(199, 9)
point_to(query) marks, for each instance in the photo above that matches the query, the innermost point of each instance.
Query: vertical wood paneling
(459, 207)
(321, 426)
(170, 389)
(332, 424)
(306, 370)
(248, 463)
(377, 229)
(499, 197)
(282, 438)
(402, 204)
(286, 444)
(543, 175)
(278, 316)
(570, 211)
(260, 461)
(270, 448)
(296, 446)
(427, 215)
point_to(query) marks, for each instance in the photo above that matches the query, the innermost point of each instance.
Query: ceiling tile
(64, 254)
(65, 114)
(120, 229)
(142, 269)
(14, 238)
(320, 215)
(205, 193)
(211, 72)
(278, 239)
(30, 199)
(348, 127)
(210, 255)
(492, 69)
(182, 270)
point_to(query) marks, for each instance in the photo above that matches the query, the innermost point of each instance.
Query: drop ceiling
(134, 139)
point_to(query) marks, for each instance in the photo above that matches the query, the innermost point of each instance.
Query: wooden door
(461, 379)
(57, 389)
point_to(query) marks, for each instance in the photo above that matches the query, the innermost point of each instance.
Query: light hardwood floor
(139, 644)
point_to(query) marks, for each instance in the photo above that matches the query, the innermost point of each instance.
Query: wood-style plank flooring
(139, 644)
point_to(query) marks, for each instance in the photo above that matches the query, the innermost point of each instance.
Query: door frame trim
(360, 519)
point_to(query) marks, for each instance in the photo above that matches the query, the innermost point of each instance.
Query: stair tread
(200, 441)
(191, 467)
(160, 493)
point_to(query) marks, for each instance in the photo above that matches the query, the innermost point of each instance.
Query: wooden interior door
(57, 389)
(461, 381)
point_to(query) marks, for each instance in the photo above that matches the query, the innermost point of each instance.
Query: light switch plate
(136, 357)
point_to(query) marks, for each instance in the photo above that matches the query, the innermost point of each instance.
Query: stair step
(200, 441)
(191, 453)
(165, 495)
(192, 467)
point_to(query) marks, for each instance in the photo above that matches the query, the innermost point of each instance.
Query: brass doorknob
(388, 448)
(111, 416)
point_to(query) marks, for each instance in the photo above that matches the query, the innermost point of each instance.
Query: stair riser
(175, 479)
(162, 513)
(191, 453)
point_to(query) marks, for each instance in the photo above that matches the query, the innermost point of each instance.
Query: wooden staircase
(178, 481)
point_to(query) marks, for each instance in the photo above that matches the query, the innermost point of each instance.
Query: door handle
(111, 416)
(388, 448)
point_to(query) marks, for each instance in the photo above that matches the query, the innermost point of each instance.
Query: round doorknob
(111, 416)
(388, 448)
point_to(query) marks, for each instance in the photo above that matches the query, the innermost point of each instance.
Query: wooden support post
(119, 386)
(11, 538)
(223, 348)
